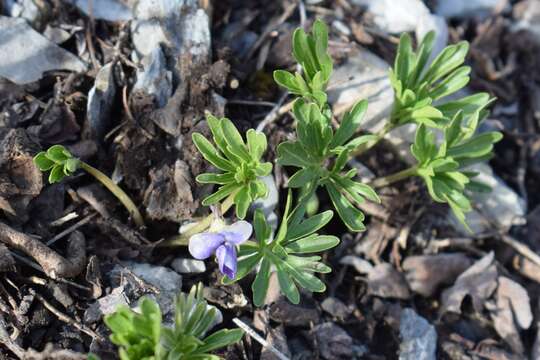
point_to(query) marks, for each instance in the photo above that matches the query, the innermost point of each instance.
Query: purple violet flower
(223, 243)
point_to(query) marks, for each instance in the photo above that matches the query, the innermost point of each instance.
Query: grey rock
(333, 342)
(363, 76)
(110, 10)
(395, 16)
(154, 78)
(161, 277)
(385, 281)
(188, 266)
(180, 27)
(502, 206)
(465, 8)
(100, 101)
(26, 9)
(167, 281)
(26, 54)
(56, 35)
(105, 305)
(418, 337)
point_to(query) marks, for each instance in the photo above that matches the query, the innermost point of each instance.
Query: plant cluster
(142, 336)
(447, 142)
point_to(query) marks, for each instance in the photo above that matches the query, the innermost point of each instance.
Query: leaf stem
(379, 134)
(200, 226)
(116, 190)
(390, 179)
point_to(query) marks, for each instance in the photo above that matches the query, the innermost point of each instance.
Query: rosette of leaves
(58, 161)
(290, 254)
(141, 336)
(444, 167)
(311, 52)
(322, 155)
(239, 164)
(420, 86)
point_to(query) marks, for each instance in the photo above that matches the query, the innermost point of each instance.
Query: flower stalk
(390, 179)
(116, 190)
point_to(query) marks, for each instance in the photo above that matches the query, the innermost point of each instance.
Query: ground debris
(24, 64)
(479, 282)
(426, 273)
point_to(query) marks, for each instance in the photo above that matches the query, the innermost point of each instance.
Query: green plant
(141, 336)
(285, 252)
(61, 163)
(239, 164)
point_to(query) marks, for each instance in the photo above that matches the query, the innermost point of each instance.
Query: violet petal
(238, 233)
(203, 245)
(226, 256)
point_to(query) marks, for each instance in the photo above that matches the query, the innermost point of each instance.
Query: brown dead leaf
(479, 282)
(426, 273)
(511, 312)
(385, 281)
(169, 195)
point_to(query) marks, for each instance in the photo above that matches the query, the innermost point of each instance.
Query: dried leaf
(511, 312)
(479, 282)
(385, 281)
(427, 272)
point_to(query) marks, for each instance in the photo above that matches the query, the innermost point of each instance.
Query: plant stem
(390, 179)
(117, 191)
(200, 226)
(380, 135)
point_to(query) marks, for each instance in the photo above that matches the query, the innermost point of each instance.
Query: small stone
(105, 305)
(395, 16)
(336, 308)
(333, 342)
(100, 101)
(161, 277)
(418, 337)
(188, 266)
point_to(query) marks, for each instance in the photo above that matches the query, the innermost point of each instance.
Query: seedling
(61, 163)
(142, 336)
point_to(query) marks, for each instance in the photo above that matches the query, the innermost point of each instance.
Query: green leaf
(210, 153)
(450, 58)
(350, 123)
(452, 83)
(221, 194)
(303, 177)
(242, 201)
(234, 140)
(312, 244)
(291, 153)
(289, 81)
(256, 144)
(58, 153)
(43, 162)
(478, 146)
(262, 230)
(287, 286)
(305, 279)
(210, 178)
(309, 226)
(351, 216)
(221, 339)
(56, 174)
(260, 285)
